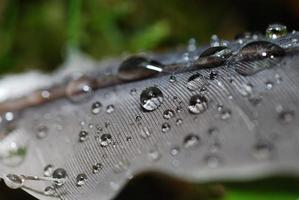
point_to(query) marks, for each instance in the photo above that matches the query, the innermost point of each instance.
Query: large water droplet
(79, 90)
(151, 98)
(275, 31)
(96, 108)
(191, 141)
(81, 179)
(13, 181)
(257, 56)
(137, 67)
(198, 104)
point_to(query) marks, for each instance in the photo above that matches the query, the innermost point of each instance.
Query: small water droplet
(275, 31)
(13, 181)
(286, 116)
(165, 127)
(198, 104)
(137, 67)
(49, 191)
(79, 90)
(213, 75)
(42, 132)
(225, 114)
(81, 179)
(59, 174)
(48, 170)
(263, 150)
(269, 85)
(145, 132)
(154, 155)
(9, 116)
(212, 161)
(151, 98)
(110, 109)
(174, 151)
(196, 81)
(168, 114)
(179, 122)
(257, 56)
(83, 136)
(191, 141)
(172, 79)
(96, 108)
(105, 140)
(96, 168)
(133, 91)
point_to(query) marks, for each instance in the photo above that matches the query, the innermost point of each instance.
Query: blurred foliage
(38, 33)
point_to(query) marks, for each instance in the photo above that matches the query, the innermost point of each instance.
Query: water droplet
(151, 98)
(9, 116)
(179, 122)
(49, 191)
(165, 127)
(212, 161)
(269, 85)
(172, 79)
(213, 75)
(96, 168)
(196, 81)
(83, 136)
(257, 56)
(154, 155)
(59, 174)
(286, 116)
(225, 114)
(191, 141)
(81, 179)
(262, 150)
(96, 108)
(42, 132)
(110, 109)
(79, 90)
(168, 114)
(105, 140)
(13, 181)
(198, 104)
(174, 151)
(275, 31)
(48, 170)
(137, 67)
(145, 132)
(133, 91)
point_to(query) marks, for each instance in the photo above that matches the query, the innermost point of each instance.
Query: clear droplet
(275, 31)
(269, 85)
(96, 108)
(61, 175)
(165, 127)
(191, 141)
(198, 104)
(179, 122)
(263, 150)
(81, 179)
(49, 191)
(212, 161)
(137, 67)
(96, 168)
(196, 81)
(83, 135)
(151, 98)
(213, 75)
(105, 140)
(168, 114)
(172, 79)
(145, 132)
(257, 56)
(174, 151)
(13, 181)
(286, 116)
(79, 90)
(48, 170)
(42, 132)
(110, 109)
(154, 155)
(213, 57)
